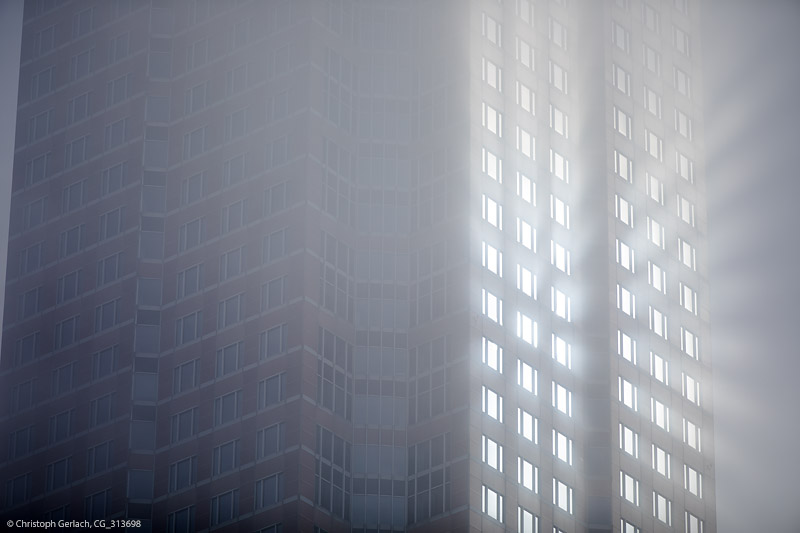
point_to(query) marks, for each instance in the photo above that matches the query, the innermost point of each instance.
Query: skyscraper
(368, 266)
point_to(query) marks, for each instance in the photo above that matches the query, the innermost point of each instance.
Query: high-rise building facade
(359, 266)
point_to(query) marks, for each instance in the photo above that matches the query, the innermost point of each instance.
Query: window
(560, 257)
(104, 362)
(655, 188)
(66, 332)
(20, 442)
(111, 223)
(492, 453)
(492, 503)
(561, 351)
(116, 133)
(117, 91)
(226, 457)
(562, 495)
(492, 119)
(192, 189)
(560, 304)
(558, 77)
(98, 505)
(22, 395)
(231, 264)
(194, 143)
(182, 474)
(626, 301)
(526, 235)
(492, 259)
(62, 379)
(622, 123)
(40, 125)
(693, 523)
(119, 47)
(82, 22)
(621, 79)
(683, 83)
(42, 83)
(685, 210)
(181, 521)
(269, 440)
(652, 60)
(662, 508)
(652, 101)
(526, 281)
(562, 399)
(690, 344)
(684, 167)
(623, 167)
(526, 188)
(652, 19)
(626, 347)
(275, 245)
(627, 527)
(629, 441)
(558, 34)
(683, 124)
(492, 307)
(235, 124)
(527, 426)
(272, 391)
(26, 348)
(654, 145)
(527, 475)
(526, 98)
(620, 37)
(227, 407)
(492, 404)
(100, 458)
(106, 315)
(629, 488)
(656, 277)
(559, 166)
(559, 122)
(275, 198)
(526, 143)
(269, 491)
(527, 377)
(81, 65)
(75, 152)
(661, 461)
(113, 178)
(191, 234)
(525, 11)
(658, 322)
(624, 210)
(34, 213)
(686, 254)
(29, 303)
(230, 311)
(492, 74)
(228, 358)
(492, 30)
(44, 40)
(492, 355)
(524, 53)
(527, 329)
(690, 388)
(273, 293)
(628, 394)
(184, 376)
(190, 281)
(195, 98)
(655, 232)
(184, 424)
(688, 298)
(188, 328)
(492, 212)
(659, 368)
(659, 414)
(102, 410)
(691, 435)
(625, 256)
(562, 447)
(273, 341)
(225, 507)
(60, 426)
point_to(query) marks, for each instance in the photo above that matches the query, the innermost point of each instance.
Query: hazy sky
(752, 116)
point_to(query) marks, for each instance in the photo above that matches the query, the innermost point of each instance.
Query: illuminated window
(652, 101)
(559, 211)
(492, 355)
(688, 298)
(627, 527)
(691, 435)
(659, 414)
(526, 188)
(527, 377)
(526, 143)
(492, 165)
(686, 210)
(684, 167)
(562, 447)
(683, 124)
(623, 167)
(624, 210)
(559, 166)
(562, 399)
(628, 441)
(526, 281)
(526, 235)
(655, 189)
(562, 495)
(527, 475)
(626, 301)
(492, 453)
(560, 304)
(492, 404)
(492, 74)
(656, 277)
(662, 508)
(492, 259)
(492, 30)
(658, 322)
(492, 307)
(561, 351)
(655, 232)
(559, 257)
(559, 121)
(654, 145)
(693, 523)
(690, 343)
(690, 388)
(659, 368)
(527, 522)
(628, 394)
(525, 53)
(629, 488)
(492, 503)
(621, 79)
(526, 98)
(527, 426)
(492, 212)
(625, 256)
(558, 77)
(626, 347)
(527, 329)
(622, 122)
(661, 461)
(492, 119)
(686, 254)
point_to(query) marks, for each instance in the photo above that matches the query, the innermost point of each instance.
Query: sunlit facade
(359, 266)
